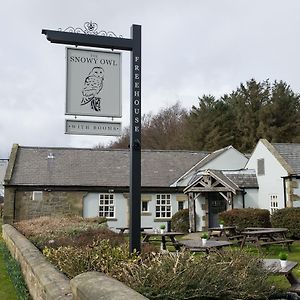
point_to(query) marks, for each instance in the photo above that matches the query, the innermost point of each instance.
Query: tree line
(254, 110)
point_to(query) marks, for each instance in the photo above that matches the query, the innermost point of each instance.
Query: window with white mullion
(163, 206)
(273, 203)
(106, 205)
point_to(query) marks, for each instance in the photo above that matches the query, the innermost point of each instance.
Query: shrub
(79, 238)
(180, 221)
(41, 231)
(101, 257)
(232, 275)
(246, 217)
(288, 218)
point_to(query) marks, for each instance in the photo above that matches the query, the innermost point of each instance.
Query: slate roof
(244, 178)
(93, 167)
(291, 154)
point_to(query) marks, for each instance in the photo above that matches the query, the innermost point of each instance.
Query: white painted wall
(271, 183)
(91, 209)
(251, 198)
(231, 159)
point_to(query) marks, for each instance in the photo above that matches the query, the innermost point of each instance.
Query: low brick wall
(44, 281)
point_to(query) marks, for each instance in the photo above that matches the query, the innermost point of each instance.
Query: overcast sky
(189, 48)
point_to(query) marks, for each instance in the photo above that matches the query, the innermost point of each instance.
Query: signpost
(90, 38)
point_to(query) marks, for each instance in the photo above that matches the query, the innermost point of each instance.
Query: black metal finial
(90, 28)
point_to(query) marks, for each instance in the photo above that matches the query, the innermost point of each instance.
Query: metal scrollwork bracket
(90, 28)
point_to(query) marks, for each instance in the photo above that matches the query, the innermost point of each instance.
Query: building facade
(91, 182)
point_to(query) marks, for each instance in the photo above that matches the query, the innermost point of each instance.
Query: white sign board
(93, 128)
(93, 83)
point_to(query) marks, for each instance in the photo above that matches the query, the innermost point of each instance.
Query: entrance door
(216, 204)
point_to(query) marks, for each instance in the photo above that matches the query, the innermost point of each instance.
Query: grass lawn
(7, 289)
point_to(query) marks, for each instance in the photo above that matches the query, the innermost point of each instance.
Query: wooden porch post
(192, 212)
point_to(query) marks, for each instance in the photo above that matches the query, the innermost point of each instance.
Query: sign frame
(94, 123)
(69, 101)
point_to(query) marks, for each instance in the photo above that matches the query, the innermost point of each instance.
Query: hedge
(246, 217)
(288, 218)
(180, 221)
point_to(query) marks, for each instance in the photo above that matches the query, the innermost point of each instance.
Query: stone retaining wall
(44, 281)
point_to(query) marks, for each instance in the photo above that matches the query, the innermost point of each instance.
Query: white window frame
(37, 195)
(107, 205)
(274, 204)
(163, 206)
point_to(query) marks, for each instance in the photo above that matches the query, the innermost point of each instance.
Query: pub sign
(93, 83)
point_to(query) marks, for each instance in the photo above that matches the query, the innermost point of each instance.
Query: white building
(277, 168)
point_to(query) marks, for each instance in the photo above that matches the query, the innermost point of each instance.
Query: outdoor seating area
(220, 239)
(163, 238)
(265, 237)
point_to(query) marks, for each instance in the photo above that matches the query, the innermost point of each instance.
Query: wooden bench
(286, 242)
(236, 237)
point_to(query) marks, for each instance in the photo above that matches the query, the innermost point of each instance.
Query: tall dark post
(133, 45)
(135, 142)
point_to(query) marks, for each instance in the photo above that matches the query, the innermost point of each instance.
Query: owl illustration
(93, 84)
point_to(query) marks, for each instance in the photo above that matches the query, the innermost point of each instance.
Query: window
(145, 207)
(163, 206)
(273, 203)
(261, 166)
(107, 205)
(180, 205)
(37, 195)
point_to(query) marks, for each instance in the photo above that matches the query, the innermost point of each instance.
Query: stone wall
(9, 205)
(95, 285)
(52, 203)
(45, 282)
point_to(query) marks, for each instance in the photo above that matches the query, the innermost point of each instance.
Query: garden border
(44, 281)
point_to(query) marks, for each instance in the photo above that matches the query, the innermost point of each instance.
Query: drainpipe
(243, 195)
(284, 192)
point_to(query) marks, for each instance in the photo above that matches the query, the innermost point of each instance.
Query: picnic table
(265, 237)
(273, 265)
(122, 229)
(149, 236)
(197, 245)
(228, 232)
